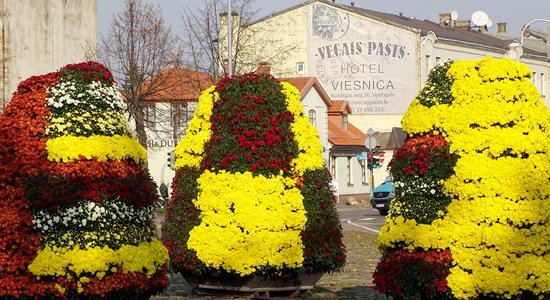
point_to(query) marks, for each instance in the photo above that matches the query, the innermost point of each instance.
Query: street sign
(370, 142)
(363, 155)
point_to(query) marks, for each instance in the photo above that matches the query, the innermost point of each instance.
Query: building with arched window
(312, 115)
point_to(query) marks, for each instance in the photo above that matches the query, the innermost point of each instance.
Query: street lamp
(229, 38)
(527, 26)
(515, 51)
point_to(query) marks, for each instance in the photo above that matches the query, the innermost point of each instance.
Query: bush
(77, 203)
(473, 179)
(251, 194)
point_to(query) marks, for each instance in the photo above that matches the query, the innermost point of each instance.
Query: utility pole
(229, 39)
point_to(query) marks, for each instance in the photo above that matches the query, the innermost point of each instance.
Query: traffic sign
(370, 142)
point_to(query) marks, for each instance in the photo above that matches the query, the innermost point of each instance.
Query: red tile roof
(338, 137)
(335, 108)
(304, 84)
(339, 107)
(177, 84)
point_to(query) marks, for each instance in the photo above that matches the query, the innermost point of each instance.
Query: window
(149, 115)
(179, 115)
(427, 65)
(349, 170)
(333, 166)
(300, 68)
(312, 117)
(363, 171)
(345, 122)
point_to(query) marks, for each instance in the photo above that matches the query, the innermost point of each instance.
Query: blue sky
(514, 13)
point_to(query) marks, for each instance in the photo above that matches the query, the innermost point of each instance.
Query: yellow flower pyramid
(497, 225)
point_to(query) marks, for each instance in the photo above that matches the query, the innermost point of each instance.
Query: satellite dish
(480, 18)
(489, 23)
(454, 15)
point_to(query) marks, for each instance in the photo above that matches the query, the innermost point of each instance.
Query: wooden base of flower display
(252, 286)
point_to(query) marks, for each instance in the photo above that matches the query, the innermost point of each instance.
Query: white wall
(280, 40)
(356, 186)
(161, 141)
(41, 36)
(313, 101)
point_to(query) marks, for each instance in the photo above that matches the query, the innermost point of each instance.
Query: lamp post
(527, 26)
(515, 51)
(229, 38)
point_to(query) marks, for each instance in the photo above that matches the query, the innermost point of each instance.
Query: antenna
(480, 18)
(454, 15)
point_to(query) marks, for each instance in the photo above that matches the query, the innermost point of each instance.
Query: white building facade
(41, 36)
(376, 61)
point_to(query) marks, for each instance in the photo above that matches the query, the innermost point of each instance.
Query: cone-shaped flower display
(251, 193)
(77, 203)
(471, 215)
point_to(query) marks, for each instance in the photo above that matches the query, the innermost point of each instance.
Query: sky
(515, 13)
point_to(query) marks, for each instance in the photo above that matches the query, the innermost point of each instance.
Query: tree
(205, 38)
(138, 47)
(202, 28)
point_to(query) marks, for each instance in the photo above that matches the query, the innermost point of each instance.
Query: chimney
(483, 28)
(462, 24)
(445, 20)
(264, 68)
(225, 67)
(501, 28)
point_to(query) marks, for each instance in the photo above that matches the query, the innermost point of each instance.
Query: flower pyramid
(77, 203)
(471, 215)
(251, 193)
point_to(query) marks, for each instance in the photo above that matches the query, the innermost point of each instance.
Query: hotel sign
(368, 63)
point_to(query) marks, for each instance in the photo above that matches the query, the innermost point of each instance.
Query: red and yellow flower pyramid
(77, 203)
(471, 217)
(251, 192)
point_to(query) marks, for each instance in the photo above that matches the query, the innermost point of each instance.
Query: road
(360, 218)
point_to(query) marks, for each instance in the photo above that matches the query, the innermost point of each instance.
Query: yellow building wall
(281, 40)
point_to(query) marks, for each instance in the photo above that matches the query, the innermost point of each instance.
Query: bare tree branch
(137, 48)
(203, 31)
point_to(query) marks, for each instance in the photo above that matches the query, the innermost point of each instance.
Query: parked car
(382, 196)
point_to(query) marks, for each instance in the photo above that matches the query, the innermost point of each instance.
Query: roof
(459, 35)
(382, 139)
(304, 85)
(177, 84)
(339, 107)
(338, 137)
(397, 138)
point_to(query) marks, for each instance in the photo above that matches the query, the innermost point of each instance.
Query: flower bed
(251, 193)
(77, 204)
(470, 218)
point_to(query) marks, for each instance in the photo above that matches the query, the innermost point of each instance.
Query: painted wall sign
(161, 143)
(372, 65)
